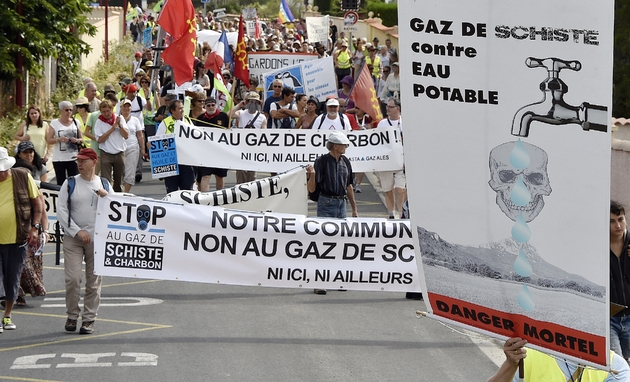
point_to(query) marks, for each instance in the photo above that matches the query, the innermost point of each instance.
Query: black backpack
(286, 122)
(323, 116)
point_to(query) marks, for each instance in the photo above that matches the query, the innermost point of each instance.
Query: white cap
(332, 102)
(196, 88)
(338, 138)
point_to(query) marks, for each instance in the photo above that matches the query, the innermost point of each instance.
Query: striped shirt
(332, 176)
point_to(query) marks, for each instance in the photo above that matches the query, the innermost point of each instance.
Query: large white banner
(146, 238)
(315, 78)
(263, 62)
(317, 28)
(509, 180)
(278, 150)
(285, 192)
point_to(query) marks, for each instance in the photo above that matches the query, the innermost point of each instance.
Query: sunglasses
(277, 86)
(67, 109)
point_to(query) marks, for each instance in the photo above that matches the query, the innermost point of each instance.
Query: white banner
(285, 192)
(315, 78)
(147, 238)
(317, 28)
(263, 62)
(510, 202)
(278, 150)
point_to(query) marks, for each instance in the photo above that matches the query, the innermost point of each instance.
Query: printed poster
(510, 173)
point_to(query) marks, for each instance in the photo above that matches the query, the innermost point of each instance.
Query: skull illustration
(504, 177)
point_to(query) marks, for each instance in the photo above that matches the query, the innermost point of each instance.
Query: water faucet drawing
(552, 109)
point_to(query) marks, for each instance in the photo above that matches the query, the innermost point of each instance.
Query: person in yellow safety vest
(186, 178)
(373, 62)
(343, 64)
(542, 367)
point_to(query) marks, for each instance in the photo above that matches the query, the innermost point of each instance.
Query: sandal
(20, 301)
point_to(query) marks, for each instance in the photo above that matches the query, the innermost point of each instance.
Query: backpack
(314, 196)
(323, 117)
(72, 183)
(286, 122)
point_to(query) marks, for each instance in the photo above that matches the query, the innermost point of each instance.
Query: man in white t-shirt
(248, 115)
(393, 181)
(332, 119)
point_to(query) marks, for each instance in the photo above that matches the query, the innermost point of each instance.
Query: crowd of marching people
(99, 140)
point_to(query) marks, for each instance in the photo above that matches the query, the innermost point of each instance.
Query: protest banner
(284, 192)
(278, 150)
(262, 62)
(510, 193)
(317, 29)
(145, 238)
(315, 78)
(163, 156)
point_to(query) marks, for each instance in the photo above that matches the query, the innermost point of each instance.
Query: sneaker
(319, 291)
(357, 189)
(71, 325)
(87, 327)
(7, 324)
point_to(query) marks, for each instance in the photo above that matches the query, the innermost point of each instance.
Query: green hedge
(387, 12)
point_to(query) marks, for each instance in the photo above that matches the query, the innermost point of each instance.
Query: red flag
(177, 18)
(180, 55)
(364, 95)
(241, 65)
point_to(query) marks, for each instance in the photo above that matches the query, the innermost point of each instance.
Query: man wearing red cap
(77, 215)
(136, 63)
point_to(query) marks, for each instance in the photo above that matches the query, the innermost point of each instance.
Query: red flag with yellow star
(180, 55)
(241, 65)
(364, 95)
(177, 17)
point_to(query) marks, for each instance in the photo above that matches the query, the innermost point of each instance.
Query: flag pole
(234, 85)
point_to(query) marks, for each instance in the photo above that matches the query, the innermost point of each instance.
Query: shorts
(207, 171)
(392, 179)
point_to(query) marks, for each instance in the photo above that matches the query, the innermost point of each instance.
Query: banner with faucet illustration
(508, 184)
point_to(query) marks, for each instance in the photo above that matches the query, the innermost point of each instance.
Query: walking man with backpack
(330, 177)
(332, 119)
(76, 212)
(285, 112)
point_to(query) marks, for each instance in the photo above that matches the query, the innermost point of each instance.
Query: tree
(40, 29)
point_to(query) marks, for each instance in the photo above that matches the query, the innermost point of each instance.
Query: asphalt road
(151, 330)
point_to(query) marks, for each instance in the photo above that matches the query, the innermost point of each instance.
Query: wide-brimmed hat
(81, 101)
(109, 88)
(338, 138)
(6, 162)
(252, 96)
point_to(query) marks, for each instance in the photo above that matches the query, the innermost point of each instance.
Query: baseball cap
(131, 88)
(25, 145)
(338, 138)
(126, 101)
(211, 100)
(332, 102)
(87, 154)
(138, 54)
